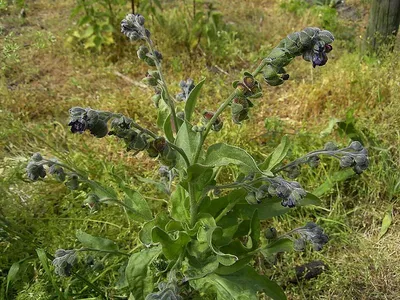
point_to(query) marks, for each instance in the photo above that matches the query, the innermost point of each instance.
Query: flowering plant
(211, 232)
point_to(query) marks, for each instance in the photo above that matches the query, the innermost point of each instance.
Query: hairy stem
(170, 101)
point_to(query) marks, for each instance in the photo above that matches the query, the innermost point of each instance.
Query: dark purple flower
(78, 125)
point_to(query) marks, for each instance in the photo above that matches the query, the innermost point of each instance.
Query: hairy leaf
(95, 242)
(222, 154)
(139, 208)
(277, 156)
(192, 100)
(243, 284)
(138, 273)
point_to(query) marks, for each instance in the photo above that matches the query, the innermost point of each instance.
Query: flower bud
(78, 126)
(356, 146)
(36, 157)
(271, 233)
(330, 146)
(313, 161)
(346, 161)
(72, 182)
(140, 20)
(299, 244)
(57, 172)
(99, 129)
(142, 52)
(251, 198)
(93, 202)
(35, 170)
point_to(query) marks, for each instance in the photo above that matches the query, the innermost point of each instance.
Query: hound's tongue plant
(211, 233)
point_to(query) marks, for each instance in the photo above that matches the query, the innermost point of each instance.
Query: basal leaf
(12, 273)
(192, 100)
(180, 209)
(223, 258)
(171, 247)
(95, 242)
(243, 284)
(161, 220)
(138, 274)
(222, 154)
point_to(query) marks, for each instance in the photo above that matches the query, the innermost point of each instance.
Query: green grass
(42, 76)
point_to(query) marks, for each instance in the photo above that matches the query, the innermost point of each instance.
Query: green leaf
(216, 233)
(12, 273)
(95, 242)
(138, 273)
(269, 208)
(328, 130)
(188, 140)
(255, 231)
(199, 268)
(222, 155)
(171, 248)
(162, 114)
(44, 261)
(87, 32)
(167, 127)
(281, 245)
(277, 156)
(139, 208)
(386, 222)
(161, 220)
(331, 181)
(102, 192)
(192, 100)
(218, 204)
(180, 205)
(240, 264)
(243, 284)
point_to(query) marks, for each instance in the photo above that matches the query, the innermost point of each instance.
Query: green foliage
(97, 22)
(209, 231)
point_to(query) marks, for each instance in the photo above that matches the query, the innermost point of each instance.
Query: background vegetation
(52, 59)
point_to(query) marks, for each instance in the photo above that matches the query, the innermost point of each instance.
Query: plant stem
(193, 204)
(170, 101)
(210, 123)
(257, 71)
(105, 251)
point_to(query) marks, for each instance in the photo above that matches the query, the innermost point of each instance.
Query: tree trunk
(383, 25)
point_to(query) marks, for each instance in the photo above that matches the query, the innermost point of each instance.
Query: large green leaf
(269, 208)
(95, 242)
(163, 113)
(213, 234)
(222, 154)
(138, 273)
(180, 208)
(241, 285)
(192, 100)
(139, 208)
(218, 204)
(188, 140)
(145, 235)
(171, 248)
(277, 156)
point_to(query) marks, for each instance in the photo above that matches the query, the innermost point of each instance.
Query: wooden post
(383, 25)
